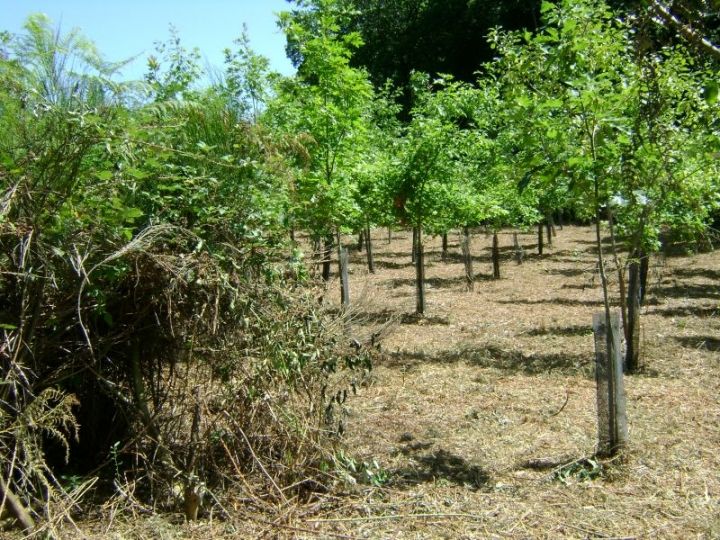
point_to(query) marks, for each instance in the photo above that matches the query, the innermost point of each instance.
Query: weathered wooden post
(467, 259)
(344, 281)
(419, 270)
(519, 252)
(540, 238)
(496, 256)
(612, 420)
(549, 228)
(327, 257)
(368, 243)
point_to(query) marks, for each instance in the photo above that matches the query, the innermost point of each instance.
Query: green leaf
(710, 92)
(137, 174)
(104, 175)
(523, 101)
(130, 214)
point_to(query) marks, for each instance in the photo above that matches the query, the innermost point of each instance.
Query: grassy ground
(480, 419)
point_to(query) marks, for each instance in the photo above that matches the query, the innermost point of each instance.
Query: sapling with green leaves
(578, 82)
(328, 101)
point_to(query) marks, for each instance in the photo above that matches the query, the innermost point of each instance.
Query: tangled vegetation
(161, 334)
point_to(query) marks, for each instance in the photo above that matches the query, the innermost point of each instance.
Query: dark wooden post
(327, 257)
(369, 250)
(632, 332)
(540, 238)
(419, 270)
(344, 281)
(496, 256)
(548, 227)
(467, 260)
(415, 244)
(612, 419)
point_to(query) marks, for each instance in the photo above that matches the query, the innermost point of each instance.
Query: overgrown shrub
(152, 334)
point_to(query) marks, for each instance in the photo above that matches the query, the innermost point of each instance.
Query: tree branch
(685, 30)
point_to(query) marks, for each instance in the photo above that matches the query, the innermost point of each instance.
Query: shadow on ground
(578, 330)
(687, 311)
(438, 465)
(495, 357)
(687, 291)
(438, 283)
(558, 301)
(703, 343)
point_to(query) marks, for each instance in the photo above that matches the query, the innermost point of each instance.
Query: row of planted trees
(144, 226)
(582, 117)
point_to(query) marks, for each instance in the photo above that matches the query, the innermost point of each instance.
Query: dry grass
(474, 410)
(467, 398)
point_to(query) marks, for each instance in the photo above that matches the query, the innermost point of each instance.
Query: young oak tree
(327, 103)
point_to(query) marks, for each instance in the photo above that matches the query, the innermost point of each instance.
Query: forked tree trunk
(419, 270)
(496, 256)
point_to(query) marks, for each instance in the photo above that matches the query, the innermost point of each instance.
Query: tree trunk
(344, 278)
(327, 257)
(414, 245)
(561, 219)
(369, 250)
(467, 259)
(540, 238)
(644, 268)
(444, 247)
(389, 235)
(292, 234)
(496, 256)
(419, 270)
(632, 350)
(548, 227)
(361, 240)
